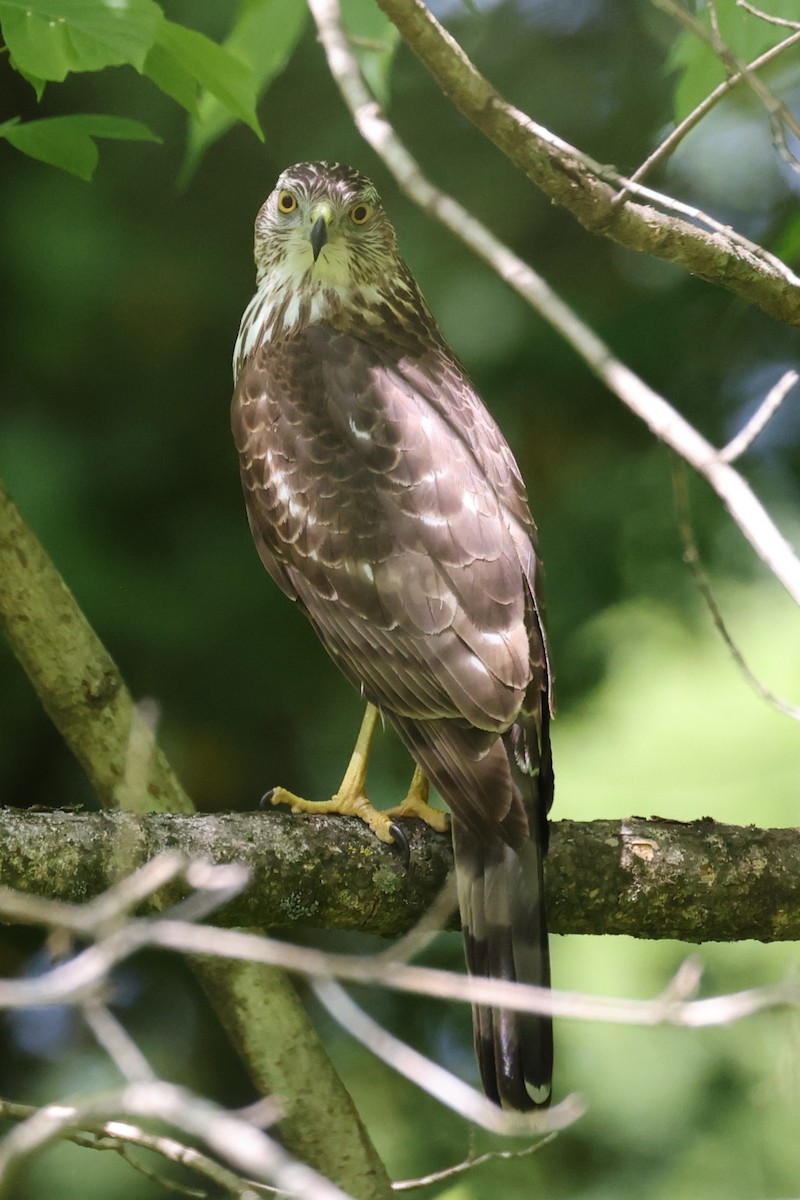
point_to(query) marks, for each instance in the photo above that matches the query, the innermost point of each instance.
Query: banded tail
(499, 800)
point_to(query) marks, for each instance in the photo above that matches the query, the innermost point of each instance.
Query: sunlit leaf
(185, 55)
(67, 142)
(49, 38)
(36, 83)
(170, 75)
(264, 35)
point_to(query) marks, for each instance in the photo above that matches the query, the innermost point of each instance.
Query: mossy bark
(699, 881)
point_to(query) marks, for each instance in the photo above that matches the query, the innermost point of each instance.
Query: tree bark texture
(697, 882)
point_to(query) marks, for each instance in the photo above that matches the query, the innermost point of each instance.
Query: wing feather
(383, 496)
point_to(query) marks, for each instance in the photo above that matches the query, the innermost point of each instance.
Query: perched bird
(384, 499)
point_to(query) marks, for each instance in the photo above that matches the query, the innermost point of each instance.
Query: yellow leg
(350, 800)
(416, 804)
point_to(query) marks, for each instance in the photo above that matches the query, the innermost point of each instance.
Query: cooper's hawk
(384, 499)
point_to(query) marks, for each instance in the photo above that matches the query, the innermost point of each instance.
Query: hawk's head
(324, 226)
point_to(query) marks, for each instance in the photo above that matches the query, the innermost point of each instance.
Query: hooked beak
(318, 236)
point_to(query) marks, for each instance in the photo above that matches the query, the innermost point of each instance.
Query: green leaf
(67, 142)
(170, 75)
(37, 84)
(700, 67)
(187, 58)
(49, 38)
(264, 35)
(374, 38)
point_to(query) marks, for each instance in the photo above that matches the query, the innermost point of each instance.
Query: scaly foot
(347, 804)
(416, 805)
(350, 800)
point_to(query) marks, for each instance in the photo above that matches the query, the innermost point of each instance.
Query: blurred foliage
(121, 302)
(745, 36)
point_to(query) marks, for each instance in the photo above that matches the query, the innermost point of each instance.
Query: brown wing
(383, 497)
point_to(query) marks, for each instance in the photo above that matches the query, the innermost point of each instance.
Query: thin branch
(470, 1163)
(660, 417)
(563, 174)
(250, 1151)
(691, 556)
(689, 122)
(85, 976)
(421, 981)
(119, 1136)
(763, 16)
(779, 115)
(112, 1037)
(445, 1087)
(760, 418)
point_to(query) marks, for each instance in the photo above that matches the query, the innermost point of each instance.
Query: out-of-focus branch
(86, 974)
(84, 978)
(445, 1087)
(120, 1136)
(673, 139)
(249, 1150)
(698, 881)
(569, 178)
(756, 425)
(661, 418)
(781, 118)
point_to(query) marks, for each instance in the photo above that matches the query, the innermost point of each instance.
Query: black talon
(266, 799)
(401, 841)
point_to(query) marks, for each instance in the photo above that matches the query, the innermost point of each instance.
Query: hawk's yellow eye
(287, 202)
(360, 213)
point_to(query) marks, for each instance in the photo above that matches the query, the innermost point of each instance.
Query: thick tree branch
(697, 882)
(569, 178)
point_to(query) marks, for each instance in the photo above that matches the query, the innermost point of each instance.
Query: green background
(120, 304)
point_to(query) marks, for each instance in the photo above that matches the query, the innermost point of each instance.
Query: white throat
(298, 290)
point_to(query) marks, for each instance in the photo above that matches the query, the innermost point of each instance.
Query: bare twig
(115, 903)
(119, 1136)
(116, 1041)
(760, 418)
(250, 1151)
(83, 975)
(689, 122)
(660, 417)
(772, 20)
(780, 117)
(230, 1135)
(435, 1080)
(422, 981)
(691, 556)
(469, 1164)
